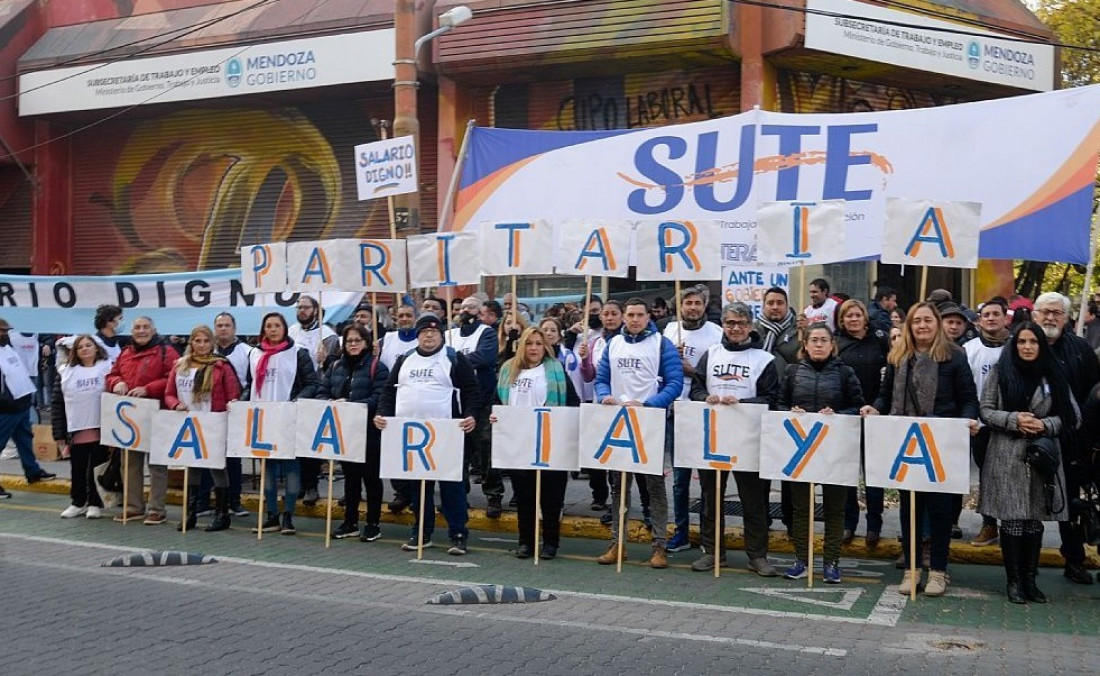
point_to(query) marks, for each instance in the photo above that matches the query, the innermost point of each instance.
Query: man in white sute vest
(238, 353)
(692, 335)
(640, 367)
(431, 382)
(320, 341)
(737, 370)
(394, 345)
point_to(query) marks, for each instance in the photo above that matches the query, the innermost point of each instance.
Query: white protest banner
(917, 454)
(385, 168)
(444, 259)
(588, 247)
(375, 265)
(331, 430)
(262, 429)
(126, 422)
(622, 438)
(717, 436)
(544, 437)
(263, 268)
(517, 247)
(928, 232)
(806, 232)
(188, 439)
(310, 265)
(810, 447)
(422, 449)
(678, 250)
(747, 284)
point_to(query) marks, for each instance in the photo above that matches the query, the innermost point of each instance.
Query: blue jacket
(670, 372)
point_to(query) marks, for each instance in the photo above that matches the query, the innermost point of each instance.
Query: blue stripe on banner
(1035, 238)
(493, 149)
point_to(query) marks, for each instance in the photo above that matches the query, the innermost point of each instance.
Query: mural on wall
(185, 190)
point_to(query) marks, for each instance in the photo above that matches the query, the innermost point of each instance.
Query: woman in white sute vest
(81, 380)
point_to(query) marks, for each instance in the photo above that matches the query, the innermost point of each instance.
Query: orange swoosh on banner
(763, 165)
(472, 197)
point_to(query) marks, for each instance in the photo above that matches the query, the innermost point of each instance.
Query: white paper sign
(716, 436)
(444, 259)
(261, 429)
(623, 438)
(385, 168)
(591, 247)
(917, 454)
(927, 232)
(126, 422)
(310, 266)
(678, 250)
(263, 268)
(517, 247)
(544, 437)
(375, 265)
(188, 439)
(422, 449)
(747, 284)
(806, 232)
(810, 447)
(331, 430)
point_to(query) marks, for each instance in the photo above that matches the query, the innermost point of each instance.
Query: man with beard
(394, 345)
(320, 341)
(478, 342)
(1082, 371)
(982, 353)
(16, 399)
(693, 335)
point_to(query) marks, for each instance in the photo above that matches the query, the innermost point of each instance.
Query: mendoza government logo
(998, 60)
(272, 69)
(233, 72)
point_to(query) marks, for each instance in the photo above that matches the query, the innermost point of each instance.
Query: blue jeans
(681, 483)
(453, 496)
(288, 469)
(875, 504)
(17, 426)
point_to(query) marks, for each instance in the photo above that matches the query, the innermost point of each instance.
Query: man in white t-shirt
(692, 335)
(320, 341)
(822, 308)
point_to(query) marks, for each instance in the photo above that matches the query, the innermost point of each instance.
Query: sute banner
(918, 454)
(622, 438)
(444, 259)
(927, 232)
(810, 447)
(263, 268)
(126, 422)
(543, 437)
(189, 439)
(262, 429)
(801, 232)
(592, 247)
(331, 430)
(678, 250)
(385, 168)
(371, 265)
(517, 247)
(717, 436)
(422, 449)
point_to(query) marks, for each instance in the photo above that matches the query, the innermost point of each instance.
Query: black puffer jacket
(813, 386)
(355, 383)
(866, 356)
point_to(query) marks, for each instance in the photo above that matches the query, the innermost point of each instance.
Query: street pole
(405, 121)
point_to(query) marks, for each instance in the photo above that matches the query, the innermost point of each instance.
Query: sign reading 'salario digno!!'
(230, 71)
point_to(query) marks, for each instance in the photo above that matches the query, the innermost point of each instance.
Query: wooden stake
(913, 543)
(515, 302)
(328, 516)
(374, 315)
(623, 488)
(810, 558)
(538, 495)
(260, 515)
(420, 523)
(717, 520)
(186, 481)
(125, 486)
(924, 282)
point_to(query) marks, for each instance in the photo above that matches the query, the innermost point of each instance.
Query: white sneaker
(72, 511)
(94, 512)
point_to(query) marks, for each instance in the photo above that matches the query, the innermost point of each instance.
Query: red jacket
(226, 389)
(148, 368)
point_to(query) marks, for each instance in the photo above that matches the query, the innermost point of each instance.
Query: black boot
(1032, 548)
(192, 510)
(1011, 553)
(221, 510)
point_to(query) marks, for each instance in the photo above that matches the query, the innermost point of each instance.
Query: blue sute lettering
(707, 162)
(838, 158)
(790, 143)
(648, 166)
(628, 363)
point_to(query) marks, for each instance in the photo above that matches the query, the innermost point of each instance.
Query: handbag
(110, 480)
(1042, 454)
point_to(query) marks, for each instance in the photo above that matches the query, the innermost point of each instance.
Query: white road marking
(848, 597)
(452, 564)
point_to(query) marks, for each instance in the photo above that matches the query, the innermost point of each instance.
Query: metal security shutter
(185, 189)
(801, 92)
(15, 220)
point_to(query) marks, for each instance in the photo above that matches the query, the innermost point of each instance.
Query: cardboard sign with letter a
(422, 449)
(126, 422)
(918, 454)
(544, 437)
(262, 429)
(331, 430)
(188, 439)
(810, 447)
(623, 438)
(717, 436)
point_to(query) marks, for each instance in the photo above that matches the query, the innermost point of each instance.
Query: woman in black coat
(358, 376)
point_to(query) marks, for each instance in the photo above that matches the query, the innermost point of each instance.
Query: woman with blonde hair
(534, 377)
(204, 381)
(927, 376)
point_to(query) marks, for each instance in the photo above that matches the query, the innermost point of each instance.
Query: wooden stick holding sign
(328, 511)
(260, 513)
(420, 521)
(186, 485)
(810, 544)
(718, 498)
(913, 494)
(538, 509)
(125, 486)
(623, 488)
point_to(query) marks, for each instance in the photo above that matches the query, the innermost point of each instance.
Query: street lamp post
(405, 123)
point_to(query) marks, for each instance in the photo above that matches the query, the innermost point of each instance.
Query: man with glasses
(320, 341)
(1082, 371)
